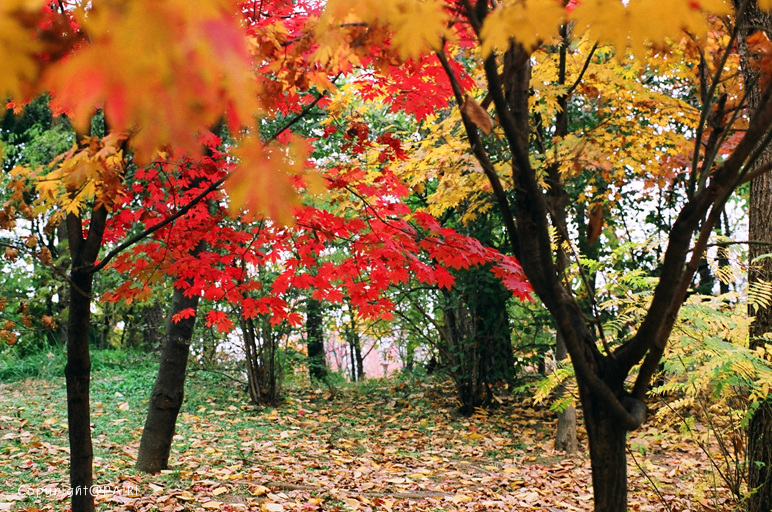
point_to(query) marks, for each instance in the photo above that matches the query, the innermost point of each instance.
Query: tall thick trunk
(488, 300)
(760, 425)
(759, 452)
(169, 388)
(317, 363)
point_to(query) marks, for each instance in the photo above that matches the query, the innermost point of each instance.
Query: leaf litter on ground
(382, 445)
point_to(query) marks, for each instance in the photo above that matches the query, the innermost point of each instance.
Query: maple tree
(164, 72)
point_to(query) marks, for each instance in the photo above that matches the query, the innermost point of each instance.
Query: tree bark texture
(760, 426)
(488, 301)
(317, 362)
(169, 388)
(759, 448)
(78, 376)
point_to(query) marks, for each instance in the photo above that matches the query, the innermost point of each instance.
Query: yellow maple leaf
(415, 24)
(18, 48)
(529, 23)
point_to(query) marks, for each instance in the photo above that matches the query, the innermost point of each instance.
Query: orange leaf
(595, 223)
(262, 182)
(477, 114)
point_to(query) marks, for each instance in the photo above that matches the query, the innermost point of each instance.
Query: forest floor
(379, 445)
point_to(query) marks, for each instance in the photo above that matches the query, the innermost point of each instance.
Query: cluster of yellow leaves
(441, 158)
(638, 23)
(166, 68)
(415, 24)
(91, 171)
(17, 47)
(529, 23)
(636, 125)
(634, 24)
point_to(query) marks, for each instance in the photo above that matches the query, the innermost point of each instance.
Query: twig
(656, 489)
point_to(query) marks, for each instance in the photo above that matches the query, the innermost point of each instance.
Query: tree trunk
(169, 388)
(760, 425)
(317, 363)
(488, 300)
(759, 452)
(360, 362)
(78, 377)
(83, 254)
(355, 350)
(607, 440)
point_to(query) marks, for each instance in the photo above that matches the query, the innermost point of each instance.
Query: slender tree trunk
(83, 253)
(358, 355)
(253, 360)
(77, 373)
(169, 388)
(317, 364)
(355, 350)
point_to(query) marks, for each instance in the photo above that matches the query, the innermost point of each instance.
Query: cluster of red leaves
(356, 255)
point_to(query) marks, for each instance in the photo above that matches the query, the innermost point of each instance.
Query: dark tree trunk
(607, 439)
(264, 367)
(358, 356)
(355, 349)
(760, 425)
(77, 373)
(759, 452)
(488, 300)
(169, 388)
(317, 363)
(83, 253)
